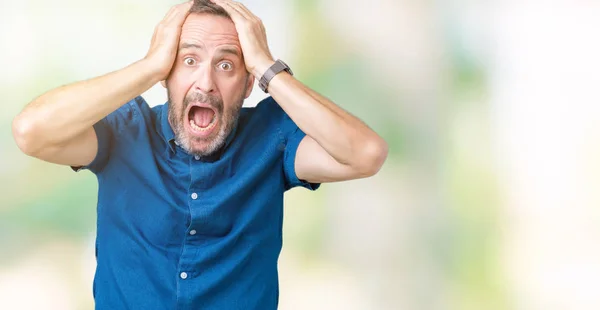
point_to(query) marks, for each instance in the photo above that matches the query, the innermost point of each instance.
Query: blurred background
(490, 195)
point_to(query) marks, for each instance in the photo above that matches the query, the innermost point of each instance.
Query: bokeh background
(490, 195)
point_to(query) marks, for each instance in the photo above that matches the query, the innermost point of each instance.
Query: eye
(225, 66)
(189, 61)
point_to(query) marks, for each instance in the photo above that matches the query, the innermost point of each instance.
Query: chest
(162, 195)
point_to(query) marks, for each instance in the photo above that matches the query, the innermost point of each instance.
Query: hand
(252, 36)
(165, 41)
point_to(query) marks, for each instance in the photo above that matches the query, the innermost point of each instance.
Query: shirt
(176, 231)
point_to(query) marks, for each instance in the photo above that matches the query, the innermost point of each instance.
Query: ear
(163, 83)
(249, 86)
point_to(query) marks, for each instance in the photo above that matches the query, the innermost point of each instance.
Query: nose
(203, 79)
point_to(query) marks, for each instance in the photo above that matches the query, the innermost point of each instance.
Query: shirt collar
(166, 132)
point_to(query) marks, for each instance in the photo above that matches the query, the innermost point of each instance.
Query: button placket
(194, 196)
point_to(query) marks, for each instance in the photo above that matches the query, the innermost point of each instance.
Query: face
(207, 84)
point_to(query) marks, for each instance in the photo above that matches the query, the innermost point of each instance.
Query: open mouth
(202, 119)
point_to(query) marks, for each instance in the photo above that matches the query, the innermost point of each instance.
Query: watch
(277, 67)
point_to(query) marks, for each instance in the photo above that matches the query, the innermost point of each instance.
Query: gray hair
(206, 6)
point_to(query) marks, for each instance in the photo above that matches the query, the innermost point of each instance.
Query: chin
(203, 146)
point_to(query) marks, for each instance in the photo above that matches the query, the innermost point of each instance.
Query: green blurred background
(489, 196)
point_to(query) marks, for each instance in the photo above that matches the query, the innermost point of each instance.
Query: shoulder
(266, 116)
(270, 112)
(136, 107)
(267, 112)
(132, 113)
(267, 107)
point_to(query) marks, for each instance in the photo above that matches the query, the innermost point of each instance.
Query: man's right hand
(69, 138)
(165, 41)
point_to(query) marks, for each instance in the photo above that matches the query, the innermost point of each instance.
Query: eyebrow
(190, 45)
(223, 50)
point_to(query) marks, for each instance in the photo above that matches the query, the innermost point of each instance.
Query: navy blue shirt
(176, 231)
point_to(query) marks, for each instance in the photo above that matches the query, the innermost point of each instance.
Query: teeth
(198, 128)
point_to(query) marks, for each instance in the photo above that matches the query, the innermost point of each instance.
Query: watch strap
(277, 67)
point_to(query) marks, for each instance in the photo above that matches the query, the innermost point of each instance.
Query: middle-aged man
(190, 201)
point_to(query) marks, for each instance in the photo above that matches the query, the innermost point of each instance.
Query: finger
(186, 6)
(173, 10)
(230, 9)
(184, 10)
(154, 36)
(236, 6)
(244, 10)
(169, 13)
(180, 12)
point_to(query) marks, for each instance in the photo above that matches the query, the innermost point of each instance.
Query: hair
(206, 6)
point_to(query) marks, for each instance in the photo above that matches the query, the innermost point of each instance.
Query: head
(208, 81)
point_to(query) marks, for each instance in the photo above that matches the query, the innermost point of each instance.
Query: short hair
(206, 6)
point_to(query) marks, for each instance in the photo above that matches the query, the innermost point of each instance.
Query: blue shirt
(179, 232)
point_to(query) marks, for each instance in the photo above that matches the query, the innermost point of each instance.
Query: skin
(209, 71)
(337, 146)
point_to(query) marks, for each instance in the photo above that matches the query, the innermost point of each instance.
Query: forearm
(346, 138)
(65, 112)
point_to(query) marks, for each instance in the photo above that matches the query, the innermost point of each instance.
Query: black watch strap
(277, 67)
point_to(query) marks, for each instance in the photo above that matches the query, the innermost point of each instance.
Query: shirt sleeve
(104, 135)
(107, 130)
(293, 135)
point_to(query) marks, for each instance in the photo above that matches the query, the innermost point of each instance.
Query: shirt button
(197, 157)
(183, 275)
(192, 232)
(194, 196)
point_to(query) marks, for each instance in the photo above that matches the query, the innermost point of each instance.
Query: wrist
(271, 72)
(261, 67)
(149, 69)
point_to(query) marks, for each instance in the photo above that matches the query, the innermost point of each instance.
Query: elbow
(373, 157)
(23, 130)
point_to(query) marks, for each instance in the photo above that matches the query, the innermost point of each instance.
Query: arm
(338, 146)
(58, 126)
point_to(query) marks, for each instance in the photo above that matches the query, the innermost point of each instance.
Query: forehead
(208, 30)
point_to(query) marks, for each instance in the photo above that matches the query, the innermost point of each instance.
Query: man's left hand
(252, 36)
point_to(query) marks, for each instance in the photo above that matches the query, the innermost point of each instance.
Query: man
(190, 201)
